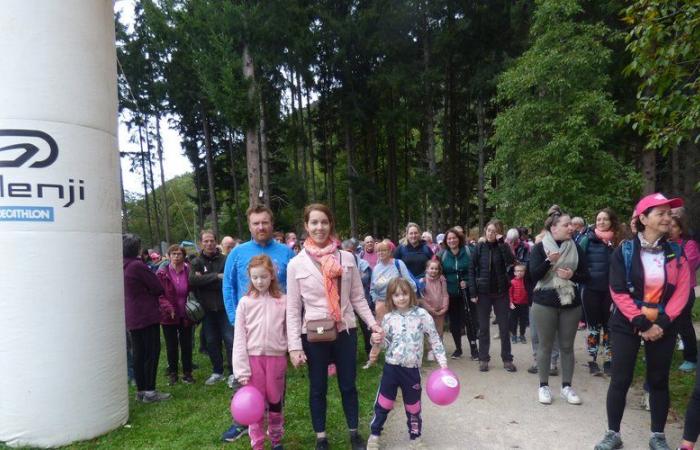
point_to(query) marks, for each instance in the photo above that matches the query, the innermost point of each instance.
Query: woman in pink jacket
(177, 328)
(324, 283)
(260, 347)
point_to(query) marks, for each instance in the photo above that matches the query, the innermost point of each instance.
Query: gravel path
(499, 410)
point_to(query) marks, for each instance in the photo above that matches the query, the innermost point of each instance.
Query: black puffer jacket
(205, 281)
(598, 257)
(490, 259)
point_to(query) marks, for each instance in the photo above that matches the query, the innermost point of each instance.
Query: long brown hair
(399, 284)
(265, 262)
(325, 210)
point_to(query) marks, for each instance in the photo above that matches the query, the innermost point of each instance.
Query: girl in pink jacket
(260, 347)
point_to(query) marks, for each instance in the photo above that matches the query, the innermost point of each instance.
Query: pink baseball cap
(653, 200)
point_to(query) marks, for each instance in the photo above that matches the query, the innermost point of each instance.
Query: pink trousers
(268, 376)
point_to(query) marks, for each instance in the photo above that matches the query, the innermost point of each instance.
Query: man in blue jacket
(235, 281)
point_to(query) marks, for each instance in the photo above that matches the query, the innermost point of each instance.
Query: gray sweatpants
(550, 321)
(535, 341)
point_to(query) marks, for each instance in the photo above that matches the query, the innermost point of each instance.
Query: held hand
(377, 329)
(297, 357)
(376, 338)
(553, 256)
(443, 366)
(653, 334)
(566, 273)
(243, 380)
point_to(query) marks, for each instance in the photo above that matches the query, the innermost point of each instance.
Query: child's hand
(512, 306)
(377, 338)
(243, 380)
(443, 366)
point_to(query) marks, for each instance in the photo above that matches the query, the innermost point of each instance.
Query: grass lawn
(197, 414)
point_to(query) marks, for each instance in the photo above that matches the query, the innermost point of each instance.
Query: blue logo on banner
(26, 214)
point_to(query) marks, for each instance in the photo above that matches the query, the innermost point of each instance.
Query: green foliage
(551, 139)
(665, 46)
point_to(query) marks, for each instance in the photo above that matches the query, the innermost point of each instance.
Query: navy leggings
(342, 352)
(393, 378)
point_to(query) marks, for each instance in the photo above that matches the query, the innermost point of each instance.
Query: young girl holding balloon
(404, 326)
(259, 353)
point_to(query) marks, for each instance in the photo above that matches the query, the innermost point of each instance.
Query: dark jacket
(538, 268)
(627, 317)
(415, 258)
(207, 285)
(455, 268)
(488, 273)
(141, 292)
(598, 258)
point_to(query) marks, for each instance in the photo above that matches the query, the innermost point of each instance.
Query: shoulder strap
(627, 252)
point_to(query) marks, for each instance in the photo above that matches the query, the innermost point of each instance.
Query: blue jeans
(217, 328)
(343, 352)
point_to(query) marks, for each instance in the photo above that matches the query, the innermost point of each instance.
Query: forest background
(441, 112)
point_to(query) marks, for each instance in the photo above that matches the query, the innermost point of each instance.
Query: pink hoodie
(259, 330)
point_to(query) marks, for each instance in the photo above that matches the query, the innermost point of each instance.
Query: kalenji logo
(32, 149)
(22, 146)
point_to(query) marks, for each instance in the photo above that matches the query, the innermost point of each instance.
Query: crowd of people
(631, 284)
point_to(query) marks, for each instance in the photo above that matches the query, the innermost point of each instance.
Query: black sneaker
(456, 354)
(522, 339)
(594, 369)
(484, 366)
(357, 442)
(532, 369)
(509, 366)
(322, 444)
(475, 356)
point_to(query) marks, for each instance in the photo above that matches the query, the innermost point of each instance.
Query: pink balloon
(247, 405)
(442, 387)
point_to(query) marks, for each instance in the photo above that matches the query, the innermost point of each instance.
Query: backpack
(420, 285)
(627, 248)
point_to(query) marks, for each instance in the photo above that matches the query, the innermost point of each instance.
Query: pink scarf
(605, 236)
(330, 269)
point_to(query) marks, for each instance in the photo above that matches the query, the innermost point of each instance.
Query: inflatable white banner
(62, 338)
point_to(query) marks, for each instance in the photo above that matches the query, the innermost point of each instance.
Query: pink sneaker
(331, 370)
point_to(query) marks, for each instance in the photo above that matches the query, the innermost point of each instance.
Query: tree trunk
(251, 137)
(481, 148)
(264, 157)
(145, 185)
(302, 137)
(649, 171)
(691, 188)
(156, 213)
(209, 158)
(349, 144)
(294, 126)
(675, 172)
(163, 187)
(428, 121)
(392, 180)
(236, 203)
(309, 126)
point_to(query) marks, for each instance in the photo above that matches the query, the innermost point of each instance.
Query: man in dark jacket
(206, 274)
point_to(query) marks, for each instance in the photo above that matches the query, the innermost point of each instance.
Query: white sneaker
(431, 356)
(545, 395)
(681, 347)
(568, 394)
(372, 442)
(213, 379)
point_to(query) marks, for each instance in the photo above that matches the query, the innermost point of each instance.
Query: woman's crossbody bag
(324, 330)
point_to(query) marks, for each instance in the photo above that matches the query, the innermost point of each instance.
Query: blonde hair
(399, 284)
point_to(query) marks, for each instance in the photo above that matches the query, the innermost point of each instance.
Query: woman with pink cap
(649, 284)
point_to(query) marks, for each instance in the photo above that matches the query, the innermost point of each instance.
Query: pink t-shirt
(654, 276)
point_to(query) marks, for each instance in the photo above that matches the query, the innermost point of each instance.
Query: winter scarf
(568, 258)
(331, 271)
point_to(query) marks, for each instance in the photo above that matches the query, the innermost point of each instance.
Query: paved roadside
(499, 410)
